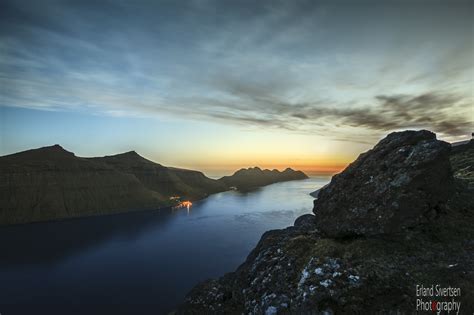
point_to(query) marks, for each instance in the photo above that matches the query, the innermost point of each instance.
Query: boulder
(305, 220)
(404, 181)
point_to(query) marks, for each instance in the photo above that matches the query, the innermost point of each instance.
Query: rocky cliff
(250, 178)
(402, 182)
(462, 161)
(400, 216)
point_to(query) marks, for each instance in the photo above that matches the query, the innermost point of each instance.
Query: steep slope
(374, 266)
(52, 183)
(410, 175)
(168, 181)
(251, 178)
(462, 161)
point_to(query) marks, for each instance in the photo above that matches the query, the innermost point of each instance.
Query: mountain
(250, 178)
(168, 181)
(399, 217)
(51, 183)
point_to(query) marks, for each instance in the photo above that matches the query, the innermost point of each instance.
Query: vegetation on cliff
(51, 183)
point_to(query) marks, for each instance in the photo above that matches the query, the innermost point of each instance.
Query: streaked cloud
(324, 68)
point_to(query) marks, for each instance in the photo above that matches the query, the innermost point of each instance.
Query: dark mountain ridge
(52, 183)
(250, 178)
(187, 184)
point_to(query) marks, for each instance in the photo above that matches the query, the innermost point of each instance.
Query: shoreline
(159, 209)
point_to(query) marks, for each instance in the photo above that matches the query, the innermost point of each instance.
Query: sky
(220, 85)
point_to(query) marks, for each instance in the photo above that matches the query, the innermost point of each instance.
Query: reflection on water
(183, 204)
(144, 261)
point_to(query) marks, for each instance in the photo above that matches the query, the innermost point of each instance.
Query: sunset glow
(236, 156)
(217, 87)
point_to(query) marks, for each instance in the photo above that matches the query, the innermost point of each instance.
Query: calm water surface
(139, 263)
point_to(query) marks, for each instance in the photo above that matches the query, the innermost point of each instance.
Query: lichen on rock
(405, 180)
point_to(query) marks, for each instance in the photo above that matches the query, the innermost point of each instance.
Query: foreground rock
(405, 180)
(462, 161)
(301, 270)
(250, 178)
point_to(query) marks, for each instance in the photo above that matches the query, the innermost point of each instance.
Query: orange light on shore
(183, 204)
(186, 204)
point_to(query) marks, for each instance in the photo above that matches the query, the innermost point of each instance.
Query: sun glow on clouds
(302, 84)
(231, 150)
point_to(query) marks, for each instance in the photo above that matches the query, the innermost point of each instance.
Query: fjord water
(142, 262)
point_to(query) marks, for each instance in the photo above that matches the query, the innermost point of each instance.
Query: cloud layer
(336, 69)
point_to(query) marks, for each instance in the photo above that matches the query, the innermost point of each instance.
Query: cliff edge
(397, 220)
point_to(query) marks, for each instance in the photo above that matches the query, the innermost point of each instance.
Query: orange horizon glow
(228, 163)
(327, 168)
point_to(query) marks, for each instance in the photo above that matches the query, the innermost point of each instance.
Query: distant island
(52, 183)
(250, 178)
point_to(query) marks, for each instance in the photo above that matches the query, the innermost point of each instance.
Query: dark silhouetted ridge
(53, 152)
(251, 178)
(51, 183)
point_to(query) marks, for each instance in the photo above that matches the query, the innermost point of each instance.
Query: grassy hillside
(187, 184)
(51, 183)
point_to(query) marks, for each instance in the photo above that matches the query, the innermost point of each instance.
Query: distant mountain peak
(132, 153)
(254, 169)
(253, 177)
(52, 147)
(130, 158)
(129, 154)
(55, 148)
(52, 152)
